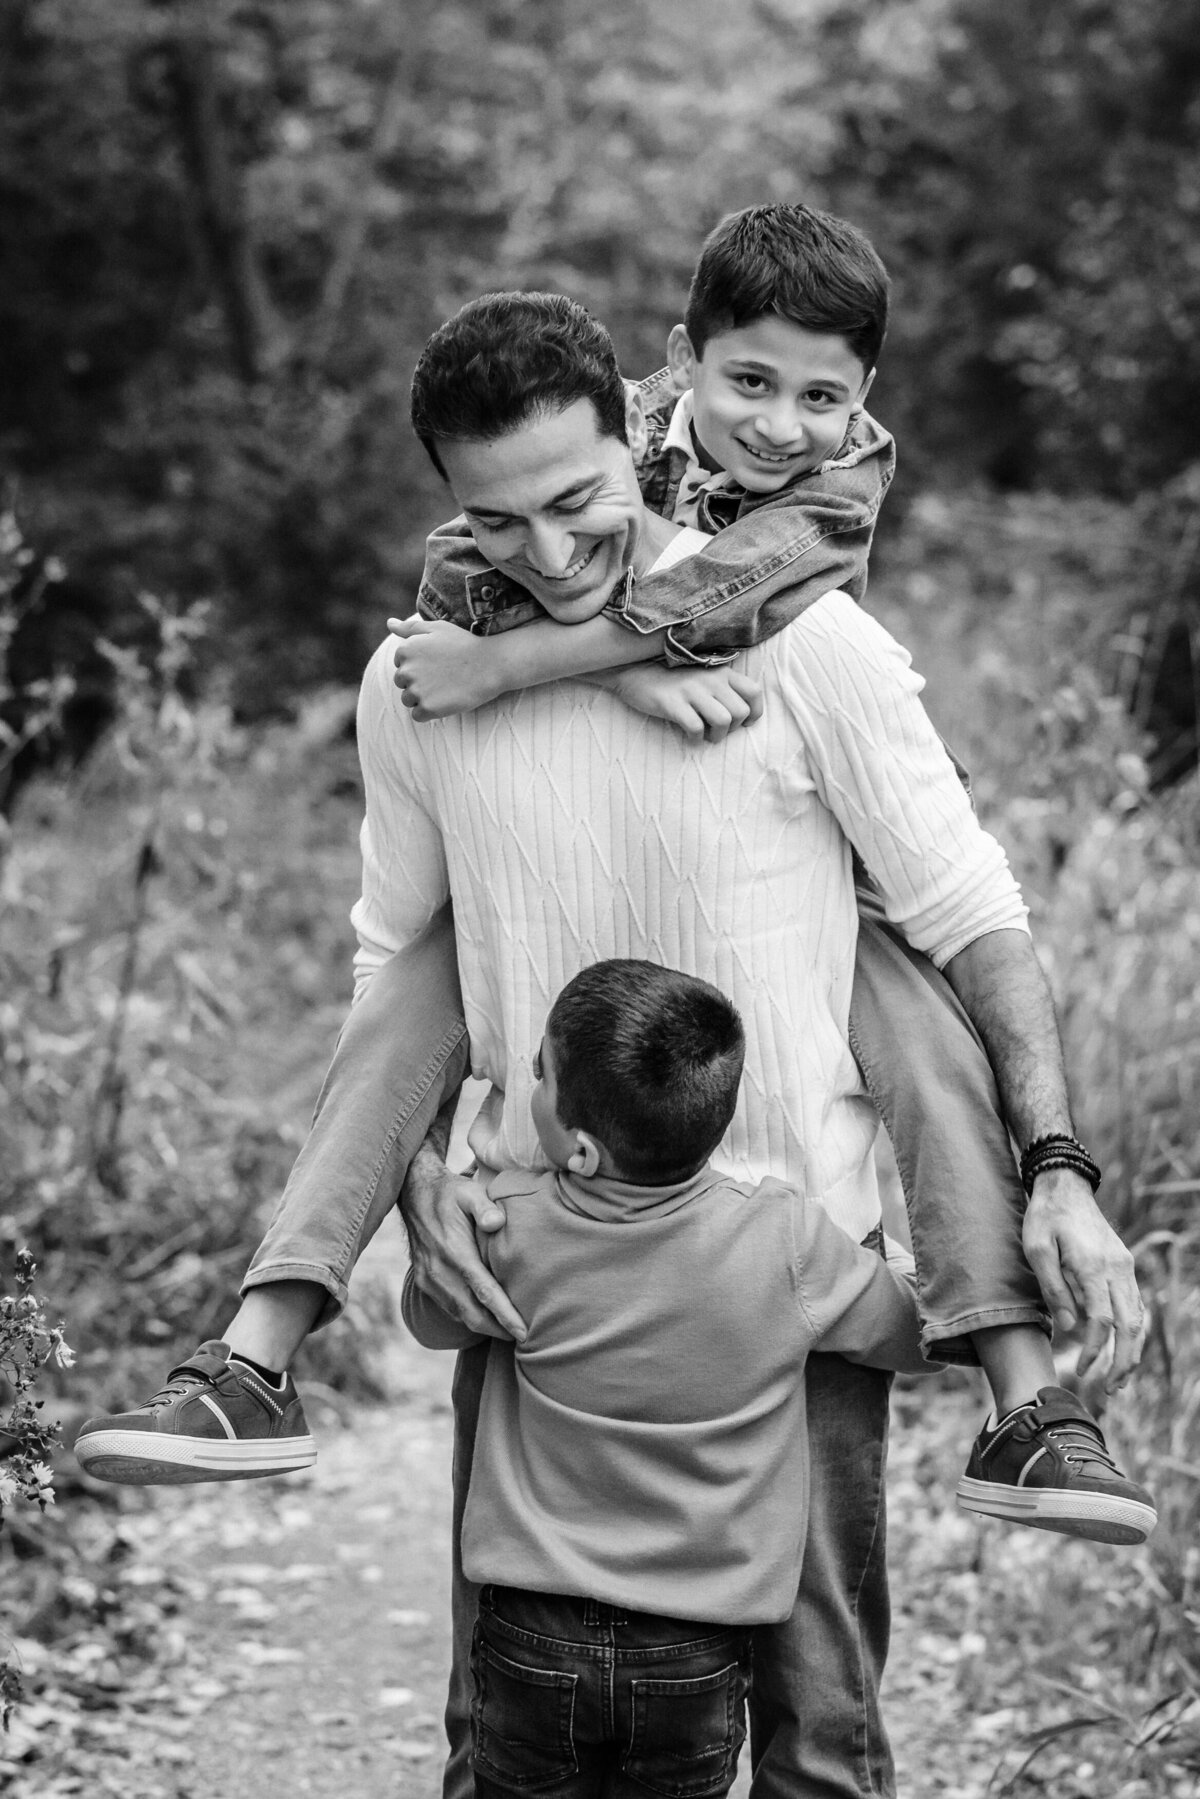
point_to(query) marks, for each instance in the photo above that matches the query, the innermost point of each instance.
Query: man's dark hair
(816, 270)
(506, 359)
(648, 1061)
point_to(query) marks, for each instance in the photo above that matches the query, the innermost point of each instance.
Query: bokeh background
(225, 231)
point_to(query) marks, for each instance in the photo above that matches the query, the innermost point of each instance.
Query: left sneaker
(1047, 1465)
(215, 1419)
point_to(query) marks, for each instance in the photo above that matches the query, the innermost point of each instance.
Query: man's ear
(635, 421)
(681, 358)
(585, 1158)
(863, 391)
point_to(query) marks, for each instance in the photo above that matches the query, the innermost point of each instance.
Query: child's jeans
(403, 1053)
(594, 1702)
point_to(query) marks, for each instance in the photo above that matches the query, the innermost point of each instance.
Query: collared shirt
(695, 480)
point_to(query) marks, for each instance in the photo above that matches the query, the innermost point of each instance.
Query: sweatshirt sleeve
(404, 873)
(856, 1304)
(429, 1324)
(884, 773)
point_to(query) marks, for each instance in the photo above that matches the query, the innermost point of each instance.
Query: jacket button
(487, 593)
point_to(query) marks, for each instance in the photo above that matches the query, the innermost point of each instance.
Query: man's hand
(702, 702)
(442, 669)
(442, 1212)
(1085, 1270)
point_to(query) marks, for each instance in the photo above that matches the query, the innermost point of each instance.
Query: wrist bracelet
(1057, 1150)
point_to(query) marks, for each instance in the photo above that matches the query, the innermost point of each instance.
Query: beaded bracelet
(1057, 1150)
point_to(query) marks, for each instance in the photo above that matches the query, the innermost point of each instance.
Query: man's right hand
(442, 1212)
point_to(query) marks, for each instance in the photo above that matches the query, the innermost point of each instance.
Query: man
(566, 829)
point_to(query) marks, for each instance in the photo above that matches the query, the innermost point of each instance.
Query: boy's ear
(863, 391)
(585, 1159)
(681, 358)
(635, 421)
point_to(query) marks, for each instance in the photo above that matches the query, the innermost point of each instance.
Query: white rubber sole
(135, 1458)
(1100, 1517)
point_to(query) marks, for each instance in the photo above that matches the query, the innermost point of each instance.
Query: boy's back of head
(795, 263)
(648, 1061)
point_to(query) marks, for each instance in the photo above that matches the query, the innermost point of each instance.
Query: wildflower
(43, 1492)
(61, 1350)
(8, 1489)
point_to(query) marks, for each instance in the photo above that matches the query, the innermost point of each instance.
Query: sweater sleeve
(404, 875)
(856, 1304)
(885, 774)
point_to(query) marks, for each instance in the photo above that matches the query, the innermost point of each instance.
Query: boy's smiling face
(555, 505)
(771, 400)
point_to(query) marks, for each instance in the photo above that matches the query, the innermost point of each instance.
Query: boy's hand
(441, 1212)
(441, 669)
(703, 702)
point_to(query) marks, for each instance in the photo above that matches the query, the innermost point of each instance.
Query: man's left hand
(1085, 1271)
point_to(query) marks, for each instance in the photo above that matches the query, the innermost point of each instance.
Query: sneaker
(1046, 1464)
(214, 1420)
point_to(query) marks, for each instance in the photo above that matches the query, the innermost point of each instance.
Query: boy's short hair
(507, 358)
(817, 270)
(647, 1060)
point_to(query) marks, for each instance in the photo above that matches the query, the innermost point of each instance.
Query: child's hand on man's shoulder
(440, 668)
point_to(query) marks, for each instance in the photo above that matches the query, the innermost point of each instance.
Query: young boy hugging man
(638, 1488)
(763, 443)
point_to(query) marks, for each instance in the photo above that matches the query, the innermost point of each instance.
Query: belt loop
(591, 1613)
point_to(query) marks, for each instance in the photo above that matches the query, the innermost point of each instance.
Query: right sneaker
(214, 1420)
(1047, 1464)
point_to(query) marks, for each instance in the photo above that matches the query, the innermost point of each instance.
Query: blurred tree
(228, 229)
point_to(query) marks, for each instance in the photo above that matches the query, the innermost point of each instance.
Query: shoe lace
(180, 1382)
(1086, 1439)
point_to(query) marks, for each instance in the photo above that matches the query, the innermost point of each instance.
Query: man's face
(770, 400)
(553, 504)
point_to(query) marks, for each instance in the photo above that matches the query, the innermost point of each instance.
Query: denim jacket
(771, 557)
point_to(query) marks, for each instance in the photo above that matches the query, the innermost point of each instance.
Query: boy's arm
(756, 576)
(442, 670)
(855, 1303)
(763, 568)
(429, 1324)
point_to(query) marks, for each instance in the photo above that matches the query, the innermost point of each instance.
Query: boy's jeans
(590, 1700)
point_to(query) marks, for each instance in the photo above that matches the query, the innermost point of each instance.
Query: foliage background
(226, 229)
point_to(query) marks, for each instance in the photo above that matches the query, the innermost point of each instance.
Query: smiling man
(568, 829)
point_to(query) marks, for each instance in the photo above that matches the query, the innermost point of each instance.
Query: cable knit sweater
(568, 828)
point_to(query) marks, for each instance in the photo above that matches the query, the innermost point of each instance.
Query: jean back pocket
(523, 1721)
(687, 1733)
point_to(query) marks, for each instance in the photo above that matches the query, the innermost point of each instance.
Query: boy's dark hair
(647, 1060)
(816, 270)
(505, 359)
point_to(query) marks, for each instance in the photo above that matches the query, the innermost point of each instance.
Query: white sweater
(568, 828)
